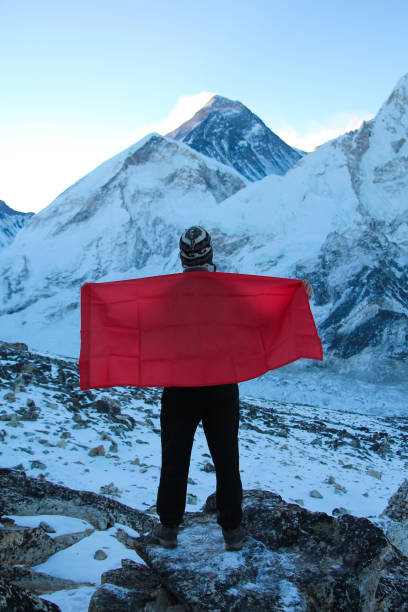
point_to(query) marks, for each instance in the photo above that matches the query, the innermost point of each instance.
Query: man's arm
(308, 287)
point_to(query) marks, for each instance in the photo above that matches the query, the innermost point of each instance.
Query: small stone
(113, 447)
(192, 499)
(143, 469)
(330, 480)
(316, 494)
(98, 451)
(374, 473)
(339, 488)
(38, 465)
(191, 481)
(110, 489)
(47, 528)
(299, 502)
(9, 397)
(30, 403)
(208, 467)
(340, 511)
(62, 443)
(100, 555)
(136, 461)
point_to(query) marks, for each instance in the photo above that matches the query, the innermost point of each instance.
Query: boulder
(32, 546)
(293, 559)
(21, 494)
(127, 589)
(15, 599)
(397, 514)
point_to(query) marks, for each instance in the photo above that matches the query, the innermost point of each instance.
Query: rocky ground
(95, 456)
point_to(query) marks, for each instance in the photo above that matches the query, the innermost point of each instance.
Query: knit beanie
(195, 247)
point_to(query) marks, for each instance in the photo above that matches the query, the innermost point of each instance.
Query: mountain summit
(229, 132)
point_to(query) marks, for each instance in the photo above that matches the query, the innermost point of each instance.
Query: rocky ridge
(11, 221)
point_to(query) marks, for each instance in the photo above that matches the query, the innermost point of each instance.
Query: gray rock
(37, 582)
(47, 528)
(397, 507)
(293, 559)
(340, 511)
(16, 599)
(100, 555)
(37, 465)
(9, 397)
(316, 494)
(98, 451)
(129, 588)
(31, 546)
(110, 489)
(374, 473)
(24, 495)
(208, 467)
(16, 346)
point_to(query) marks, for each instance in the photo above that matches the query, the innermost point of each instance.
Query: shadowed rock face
(128, 588)
(24, 495)
(292, 559)
(12, 598)
(11, 221)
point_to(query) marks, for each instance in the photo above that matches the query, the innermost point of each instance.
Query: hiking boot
(166, 536)
(234, 538)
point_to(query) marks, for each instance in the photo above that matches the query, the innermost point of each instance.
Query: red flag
(192, 329)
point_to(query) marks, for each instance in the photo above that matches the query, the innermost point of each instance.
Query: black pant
(182, 410)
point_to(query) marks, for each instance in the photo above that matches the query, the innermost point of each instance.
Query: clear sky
(83, 79)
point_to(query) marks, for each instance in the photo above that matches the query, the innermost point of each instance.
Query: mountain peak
(229, 132)
(218, 102)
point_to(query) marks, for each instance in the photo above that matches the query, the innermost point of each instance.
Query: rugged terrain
(87, 464)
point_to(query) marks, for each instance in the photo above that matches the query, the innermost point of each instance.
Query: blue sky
(81, 80)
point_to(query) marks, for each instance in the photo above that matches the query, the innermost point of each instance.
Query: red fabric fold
(194, 329)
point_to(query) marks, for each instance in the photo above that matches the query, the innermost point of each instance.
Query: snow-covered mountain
(338, 218)
(120, 221)
(11, 221)
(229, 132)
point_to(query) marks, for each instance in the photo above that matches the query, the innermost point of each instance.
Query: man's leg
(221, 423)
(179, 420)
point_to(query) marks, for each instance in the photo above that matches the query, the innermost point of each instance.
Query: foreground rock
(397, 511)
(14, 599)
(292, 559)
(128, 589)
(21, 494)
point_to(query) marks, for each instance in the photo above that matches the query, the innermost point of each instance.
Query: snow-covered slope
(11, 221)
(229, 132)
(120, 221)
(338, 218)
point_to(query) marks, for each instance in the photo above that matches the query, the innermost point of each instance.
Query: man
(183, 408)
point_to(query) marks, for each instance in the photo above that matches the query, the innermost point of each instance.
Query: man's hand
(308, 287)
